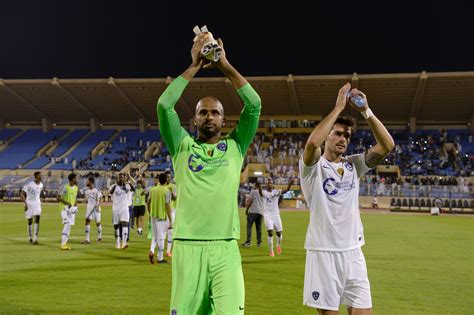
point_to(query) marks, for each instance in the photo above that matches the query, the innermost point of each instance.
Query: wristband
(367, 113)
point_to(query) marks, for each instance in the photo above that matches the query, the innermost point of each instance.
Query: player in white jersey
(93, 212)
(271, 214)
(336, 271)
(121, 216)
(31, 197)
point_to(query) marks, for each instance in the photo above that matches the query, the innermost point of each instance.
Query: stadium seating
(7, 134)
(129, 146)
(24, 148)
(84, 149)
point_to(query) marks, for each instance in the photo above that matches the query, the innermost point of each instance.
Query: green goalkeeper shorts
(207, 278)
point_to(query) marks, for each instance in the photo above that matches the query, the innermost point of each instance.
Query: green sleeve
(170, 125)
(248, 122)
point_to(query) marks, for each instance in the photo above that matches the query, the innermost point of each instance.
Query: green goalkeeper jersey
(207, 175)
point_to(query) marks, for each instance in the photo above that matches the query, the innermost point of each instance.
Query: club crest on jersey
(222, 146)
(315, 295)
(194, 165)
(329, 186)
(349, 166)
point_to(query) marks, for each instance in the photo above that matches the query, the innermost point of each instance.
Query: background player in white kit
(336, 271)
(120, 214)
(93, 196)
(271, 214)
(30, 195)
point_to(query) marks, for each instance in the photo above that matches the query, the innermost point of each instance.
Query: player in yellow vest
(68, 207)
(139, 205)
(159, 209)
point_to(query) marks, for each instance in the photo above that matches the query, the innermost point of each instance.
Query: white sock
(99, 231)
(279, 239)
(117, 236)
(36, 229)
(139, 229)
(29, 232)
(170, 241)
(270, 243)
(88, 232)
(65, 234)
(152, 245)
(161, 247)
(124, 234)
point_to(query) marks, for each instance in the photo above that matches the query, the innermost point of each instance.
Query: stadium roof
(430, 97)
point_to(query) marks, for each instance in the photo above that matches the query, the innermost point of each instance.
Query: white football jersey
(120, 197)
(130, 198)
(33, 193)
(271, 201)
(331, 191)
(93, 197)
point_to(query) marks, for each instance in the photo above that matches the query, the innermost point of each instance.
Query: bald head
(209, 118)
(209, 103)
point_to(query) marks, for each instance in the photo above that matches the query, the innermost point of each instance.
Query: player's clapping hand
(222, 62)
(342, 97)
(197, 59)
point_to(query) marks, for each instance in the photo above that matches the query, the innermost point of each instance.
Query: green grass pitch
(417, 264)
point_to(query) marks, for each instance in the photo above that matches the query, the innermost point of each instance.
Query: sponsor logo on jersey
(315, 295)
(193, 164)
(332, 187)
(329, 187)
(196, 164)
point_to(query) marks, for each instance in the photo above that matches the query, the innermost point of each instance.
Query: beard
(209, 133)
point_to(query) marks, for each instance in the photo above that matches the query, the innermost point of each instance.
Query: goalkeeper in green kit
(207, 270)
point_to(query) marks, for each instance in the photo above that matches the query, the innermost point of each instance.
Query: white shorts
(335, 278)
(273, 222)
(68, 217)
(32, 211)
(93, 215)
(159, 228)
(173, 214)
(120, 216)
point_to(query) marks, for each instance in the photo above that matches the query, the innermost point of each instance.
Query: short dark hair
(71, 176)
(91, 180)
(345, 120)
(36, 173)
(163, 177)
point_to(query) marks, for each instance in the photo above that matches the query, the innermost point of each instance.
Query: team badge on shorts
(315, 295)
